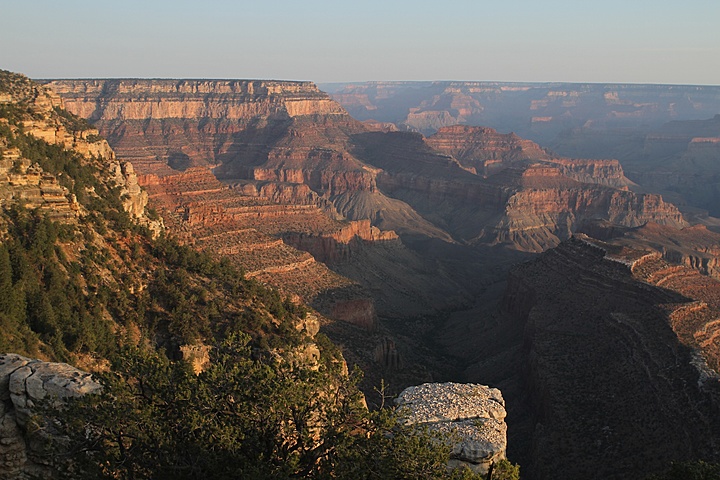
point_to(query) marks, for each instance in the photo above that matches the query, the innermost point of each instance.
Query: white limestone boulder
(471, 416)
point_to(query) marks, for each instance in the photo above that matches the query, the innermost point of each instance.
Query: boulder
(24, 383)
(471, 416)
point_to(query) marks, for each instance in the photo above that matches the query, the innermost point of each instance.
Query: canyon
(664, 136)
(538, 111)
(678, 159)
(405, 245)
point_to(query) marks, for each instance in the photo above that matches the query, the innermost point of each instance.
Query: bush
(241, 418)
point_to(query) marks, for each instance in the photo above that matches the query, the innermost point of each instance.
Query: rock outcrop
(25, 384)
(472, 416)
(21, 182)
(49, 122)
(483, 150)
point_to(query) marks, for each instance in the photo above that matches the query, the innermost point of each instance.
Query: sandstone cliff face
(144, 119)
(484, 150)
(615, 390)
(25, 452)
(339, 245)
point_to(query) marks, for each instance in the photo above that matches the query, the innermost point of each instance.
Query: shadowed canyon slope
(605, 350)
(595, 314)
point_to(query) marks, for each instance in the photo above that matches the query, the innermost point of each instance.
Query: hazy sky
(637, 41)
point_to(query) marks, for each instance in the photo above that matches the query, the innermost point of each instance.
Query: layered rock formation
(289, 132)
(25, 384)
(472, 416)
(655, 131)
(483, 150)
(313, 177)
(187, 122)
(287, 146)
(695, 247)
(486, 152)
(529, 204)
(681, 158)
(245, 227)
(678, 159)
(22, 181)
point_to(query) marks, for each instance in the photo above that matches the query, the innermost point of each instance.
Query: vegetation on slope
(241, 418)
(98, 286)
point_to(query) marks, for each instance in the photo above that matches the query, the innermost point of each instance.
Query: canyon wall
(291, 133)
(187, 122)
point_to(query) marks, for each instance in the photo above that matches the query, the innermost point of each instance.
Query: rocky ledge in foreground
(24, 383)
(473, 417)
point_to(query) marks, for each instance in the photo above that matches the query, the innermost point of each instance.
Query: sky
(602, 41)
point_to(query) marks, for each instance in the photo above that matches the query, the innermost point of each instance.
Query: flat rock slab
(26, 382)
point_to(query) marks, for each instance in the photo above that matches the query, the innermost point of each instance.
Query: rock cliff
(48, 121)
(528, 204)
(483, 150)
(25, 384)
(677, 159)
(187, 122)
(694, 247)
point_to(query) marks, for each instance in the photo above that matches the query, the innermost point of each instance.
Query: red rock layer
(243, 222)
(481, 149)
(291, 133)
